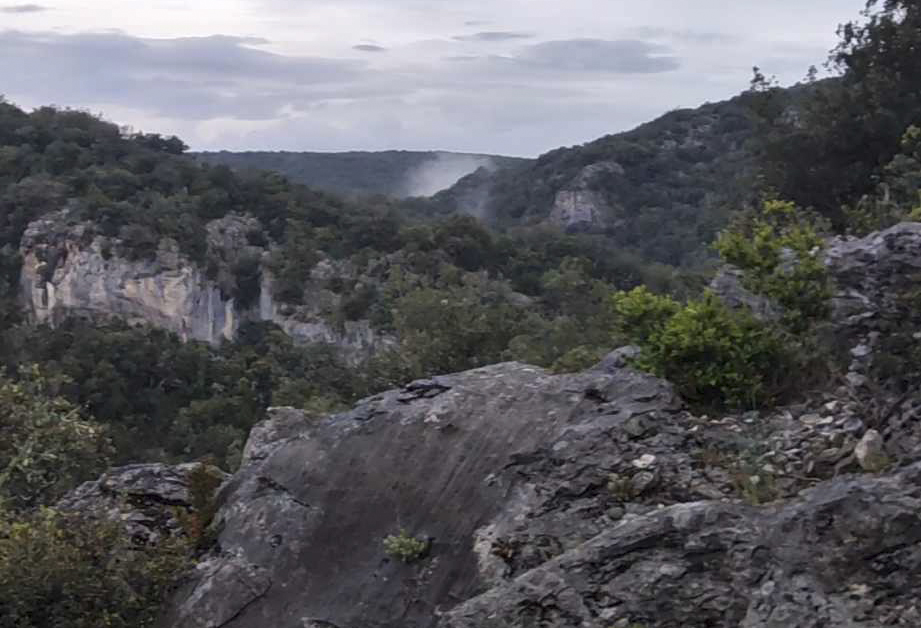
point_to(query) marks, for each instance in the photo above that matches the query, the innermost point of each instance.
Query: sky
(514, 77)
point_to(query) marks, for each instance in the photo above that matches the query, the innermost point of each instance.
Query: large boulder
(497, 470)
(590, 499)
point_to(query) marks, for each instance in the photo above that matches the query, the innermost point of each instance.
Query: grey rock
(721, 565)
(871, 452)
(618, 359)
(580, 207)
(501, 468)
(142, 496)
(727, 285)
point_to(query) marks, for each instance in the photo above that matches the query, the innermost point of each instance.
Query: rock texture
(580, 207)
(68, 270)
(143, 497)
(586, 500)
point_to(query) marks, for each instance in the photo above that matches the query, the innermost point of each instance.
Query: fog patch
(442, 171)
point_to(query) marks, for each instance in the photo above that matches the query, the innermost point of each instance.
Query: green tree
(46, 445)
(825, 149)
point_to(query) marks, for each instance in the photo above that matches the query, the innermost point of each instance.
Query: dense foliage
(59, 569)
(46, 445)
(713, 355)
(669, 185)
(833, 148)
(780, 252)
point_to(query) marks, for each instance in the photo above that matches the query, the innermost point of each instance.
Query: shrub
(405, 547)
(780, 253)
(640, 313)
(46, 445)
(195, 520)
(58, 569)
(713, 355)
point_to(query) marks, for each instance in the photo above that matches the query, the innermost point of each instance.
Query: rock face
(581, 208)
(87, 280)
(142, 496)
(586, 500)
(68, 271)
(872, 274)
(840, 555)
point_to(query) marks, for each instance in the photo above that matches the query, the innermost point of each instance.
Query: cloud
(369, 48)
(598, 55)
(23, 8)
(685, 35)
(197, 78)
(493, 36)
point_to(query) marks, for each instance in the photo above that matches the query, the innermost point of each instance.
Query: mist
(442, 171)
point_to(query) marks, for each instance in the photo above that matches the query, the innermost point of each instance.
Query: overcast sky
(516, 77)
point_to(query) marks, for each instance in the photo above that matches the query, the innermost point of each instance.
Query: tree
(59, 569)
(46, 445)
(827, 147)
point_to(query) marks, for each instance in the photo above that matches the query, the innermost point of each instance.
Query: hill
(663, 189)
(392, 173)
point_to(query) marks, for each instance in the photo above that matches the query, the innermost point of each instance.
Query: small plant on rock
(405, 547)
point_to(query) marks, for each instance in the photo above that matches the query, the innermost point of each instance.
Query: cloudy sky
(516, 77)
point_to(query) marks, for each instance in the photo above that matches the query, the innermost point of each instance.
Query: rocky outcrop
(584, 500)
(68, 270)
(581, 208)
(873, 275)
(143, 497)
(842, 554)
(727, 285)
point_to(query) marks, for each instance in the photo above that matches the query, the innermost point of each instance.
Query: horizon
(509, 78)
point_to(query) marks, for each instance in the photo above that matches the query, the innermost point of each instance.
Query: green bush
(46, 445)
(58, 569)
(405, 547)
(713, 355)
(779, 250)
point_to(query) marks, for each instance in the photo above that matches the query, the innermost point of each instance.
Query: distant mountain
(393, 173)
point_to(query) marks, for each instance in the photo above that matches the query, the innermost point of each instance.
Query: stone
(871, 452)
(142, 496)
(579, 208)
(644, 462)
(727, 285)
(618, 359)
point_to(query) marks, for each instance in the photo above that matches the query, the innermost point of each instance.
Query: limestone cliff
(581, 208)
(68, 270)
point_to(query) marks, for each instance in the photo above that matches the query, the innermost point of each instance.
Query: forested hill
(664, 188)
(396, 173)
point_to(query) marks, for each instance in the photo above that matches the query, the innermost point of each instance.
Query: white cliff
(579, 207)
(67, 271)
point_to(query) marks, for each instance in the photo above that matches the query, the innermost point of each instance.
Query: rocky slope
(69, 270)
(586, 500)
